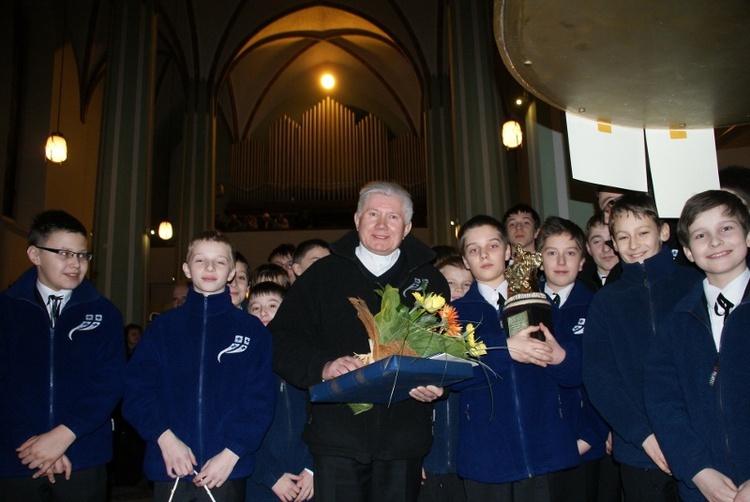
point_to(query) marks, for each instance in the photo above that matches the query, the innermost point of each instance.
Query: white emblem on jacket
(91, 322)
(240, 345)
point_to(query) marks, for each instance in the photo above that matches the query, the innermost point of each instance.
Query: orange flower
(450, 316)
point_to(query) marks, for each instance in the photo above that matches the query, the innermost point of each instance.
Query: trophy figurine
(525, 305)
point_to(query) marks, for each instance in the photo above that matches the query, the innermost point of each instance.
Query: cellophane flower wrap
(429, 327)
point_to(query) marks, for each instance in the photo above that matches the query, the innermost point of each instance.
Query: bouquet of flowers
(429, 327)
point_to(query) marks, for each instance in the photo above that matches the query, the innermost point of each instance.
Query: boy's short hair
(266, 288)
(53, 220)
(480, 220)
(705, 201)
(554, 225)
(736, 179)
(640, 204)
(211, 236)
(389, 189)
(450, 261)
(304, 247)
(269, 272)
(285, 249)
(596, 220)
(240, 258)
(523, 208)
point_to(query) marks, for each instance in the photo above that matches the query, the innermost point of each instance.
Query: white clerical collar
(564, 293)
(493, 294)
(45, 292)
(375, 263)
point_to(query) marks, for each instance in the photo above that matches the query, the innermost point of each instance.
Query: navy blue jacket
(70, 374)
(282, 449)
(697, 424)
(584, 420)
(511, 424)
(202, 370)
(621, 327)
(443, 457)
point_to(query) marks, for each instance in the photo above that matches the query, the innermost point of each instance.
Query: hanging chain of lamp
(56, 148)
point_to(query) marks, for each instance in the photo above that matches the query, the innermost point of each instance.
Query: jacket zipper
(520, 423)
(201, 376)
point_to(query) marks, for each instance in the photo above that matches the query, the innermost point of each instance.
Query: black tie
(55, 310)
(725, 306)
(556, 299)
(500, 301)
(603, 280)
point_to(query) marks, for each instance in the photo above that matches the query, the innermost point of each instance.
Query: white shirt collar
(375, 263)
(492, 294)
(732, 292)
(44, 291)
(564, 293)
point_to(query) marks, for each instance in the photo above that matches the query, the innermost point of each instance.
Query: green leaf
(358, 408)
(393, 318)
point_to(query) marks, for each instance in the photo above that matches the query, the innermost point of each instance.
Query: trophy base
(527, 309)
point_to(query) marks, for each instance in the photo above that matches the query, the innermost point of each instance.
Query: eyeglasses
(65, 254)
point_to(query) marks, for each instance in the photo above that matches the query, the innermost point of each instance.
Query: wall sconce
(512, 134)
(165, 230)
(56, 149)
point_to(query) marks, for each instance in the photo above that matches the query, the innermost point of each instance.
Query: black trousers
(534, 489)
(86, 485)
(233, 490)
(345, 479)
(648, 485)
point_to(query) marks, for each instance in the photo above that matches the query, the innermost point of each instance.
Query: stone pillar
(442, 204)
(121, 221)
(197, 179)
(482, 184)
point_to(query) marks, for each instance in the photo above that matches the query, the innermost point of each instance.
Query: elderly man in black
(376, 455)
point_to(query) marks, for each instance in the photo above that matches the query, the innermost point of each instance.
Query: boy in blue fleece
(284, 464)
(200, 389)
(696, 375)
(561, 243)
(61, 361)
(512, 433)
(621, 327)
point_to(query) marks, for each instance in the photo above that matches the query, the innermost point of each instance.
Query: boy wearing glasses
(61, 365)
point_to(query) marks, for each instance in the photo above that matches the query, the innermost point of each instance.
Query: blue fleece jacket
(282, 449)
(70, 374)
(511, 424)
(621, 327)
(202, 370)
(584, 420)
(698, 424)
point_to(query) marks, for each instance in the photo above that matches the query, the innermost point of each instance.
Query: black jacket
(316, 323)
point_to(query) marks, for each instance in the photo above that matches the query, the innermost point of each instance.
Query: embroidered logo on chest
(91, 321)
(239, 345)
(578, 328)
(416, 286)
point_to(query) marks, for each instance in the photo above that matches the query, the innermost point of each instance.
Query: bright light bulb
(165, 230)
(327, 81)
(56, 148)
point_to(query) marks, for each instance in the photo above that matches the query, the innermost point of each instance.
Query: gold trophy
(525, 305)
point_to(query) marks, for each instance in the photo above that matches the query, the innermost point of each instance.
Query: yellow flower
(431, 303)
(476, 349)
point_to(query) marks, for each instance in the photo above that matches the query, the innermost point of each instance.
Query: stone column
(197, 179)
(121, 221)
(482, 184)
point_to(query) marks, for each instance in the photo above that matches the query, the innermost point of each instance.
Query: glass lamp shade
(57, 148)
(512, 134)
(165, 230)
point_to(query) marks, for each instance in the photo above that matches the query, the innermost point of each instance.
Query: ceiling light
(327, 81)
